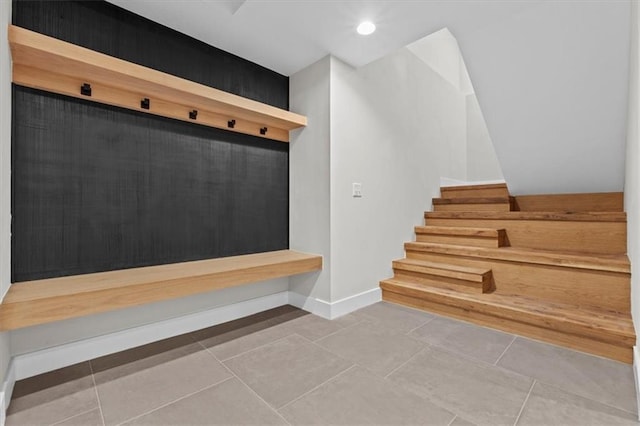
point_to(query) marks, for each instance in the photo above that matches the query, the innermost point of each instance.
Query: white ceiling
(288, 35)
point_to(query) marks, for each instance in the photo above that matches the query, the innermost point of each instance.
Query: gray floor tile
(235, 337)
(397, 317)
(52, 397)
(360, 397)
(136, 381)
(285, 369)
(473, 390)
(459, 421)
(593, 377)
(91, 418)
(548, 405)
(377, 348)
(228, 403)
(311, 327)
(466, 338)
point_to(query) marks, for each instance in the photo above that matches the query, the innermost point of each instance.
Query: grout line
(525, 402)
(574, 393)
(421, 325)
(174, 401)
(248, 350)
(455, 416)
(234, 375)
(406, 362)
(360, 321)
(74, 416)
(95, 389)
(505, 350)
(321, 384)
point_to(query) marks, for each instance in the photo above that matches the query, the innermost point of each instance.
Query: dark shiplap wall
(98, 188)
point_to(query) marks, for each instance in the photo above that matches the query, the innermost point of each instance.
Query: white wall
(309, 195)
(396, 127)
(552, 84)
(441, 52)
(482, 162)
(5, 172)
(632, 178)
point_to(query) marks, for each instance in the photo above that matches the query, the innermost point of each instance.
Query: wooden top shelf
(37, 302)
(46, 63)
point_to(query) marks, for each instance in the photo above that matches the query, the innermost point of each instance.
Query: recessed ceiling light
(366, 28)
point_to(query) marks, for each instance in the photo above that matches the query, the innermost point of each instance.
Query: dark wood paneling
(98, 188)
(109, 29)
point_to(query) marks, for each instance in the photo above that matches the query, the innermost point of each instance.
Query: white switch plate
(357, 190)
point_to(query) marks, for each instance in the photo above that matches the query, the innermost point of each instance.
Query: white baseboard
(6, 392)
(317, 307)
(357, 301)
(338, 308)
(636, 367)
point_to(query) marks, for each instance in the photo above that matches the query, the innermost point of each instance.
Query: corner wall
(309, 180)
(396, 126)
(5, 173)
(632, 176)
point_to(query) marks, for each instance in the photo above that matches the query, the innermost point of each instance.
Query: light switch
(357, 190)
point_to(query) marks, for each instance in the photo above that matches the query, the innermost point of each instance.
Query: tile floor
(385, 364)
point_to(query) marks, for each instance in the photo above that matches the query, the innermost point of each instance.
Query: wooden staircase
(559, 275)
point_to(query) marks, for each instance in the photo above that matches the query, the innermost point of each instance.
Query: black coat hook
(231, 124)
(85, 89)
(263, 130)
(193, 114)
(145, 103)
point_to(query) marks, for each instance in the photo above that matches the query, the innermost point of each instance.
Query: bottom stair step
(605, 333)
(437, 274)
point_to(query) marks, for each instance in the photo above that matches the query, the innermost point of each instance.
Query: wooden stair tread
(519, 215)
(609, 326)
(473, 187)
(458, 230)
(443, 269)
(487, 200)
(37, 302)
(610, 263)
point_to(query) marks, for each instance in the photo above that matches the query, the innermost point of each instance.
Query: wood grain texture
(461, 278)
(38, 302)
(475, 237)
(549, 329)
(608, 263)
(31, 50)
(596, 233)
(467, 207)
(475, 191)
(587, 202)
(589, 284)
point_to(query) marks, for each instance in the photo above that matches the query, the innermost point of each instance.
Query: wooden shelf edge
(125, 84)
(43, 301)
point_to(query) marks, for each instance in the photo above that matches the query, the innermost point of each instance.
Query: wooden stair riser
(475, 191)
(600, 289)
(616, 351)
(563, 319)
(593, 202)
(444, 282)
(579, 236)
(461, 240)
(489, 207)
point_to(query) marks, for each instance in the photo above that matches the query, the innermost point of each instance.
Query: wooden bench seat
(37, 302)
